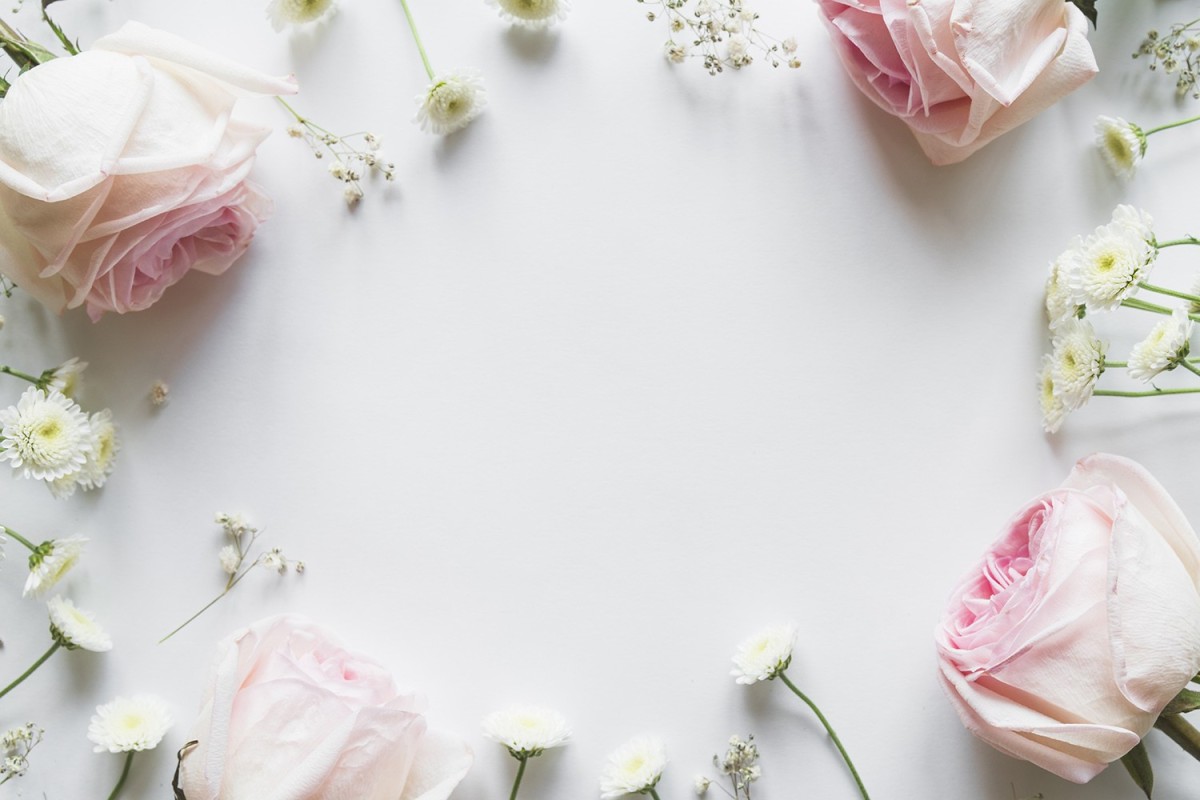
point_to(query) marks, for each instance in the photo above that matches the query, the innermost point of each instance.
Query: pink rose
(290, 715)
(1063, 645)
(961, 72)
(121, 170)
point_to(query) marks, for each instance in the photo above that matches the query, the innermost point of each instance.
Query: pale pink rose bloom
(290, 715)
(1065, 642)
(961, 72)
(121, 170)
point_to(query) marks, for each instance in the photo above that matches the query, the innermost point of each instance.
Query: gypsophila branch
(348, 162)
(15, 746)
(782, 675)
(720, 33)
(1176, 53)
(236, 562)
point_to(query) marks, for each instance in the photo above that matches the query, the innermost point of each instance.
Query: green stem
(1177, 242)
(228, 588)
(654, 794)
(520, 774)
(1153, 393)
(412, 26)
(1190, 367)
(63, 39)
(1142, 305)
(828, 729)
(1116, 364)
(32, 547)
(1170, 125)
(124, 774)
(30, 671)
(25, 376)
(1169, 292)
(1181, 732)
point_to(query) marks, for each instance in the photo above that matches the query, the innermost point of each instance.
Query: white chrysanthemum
(298, 12)
(65, 377)
(45, 435)
(1078, 362)
(634, 768)
(1107, 267)
(130, 723)
(533, 14)
(527, 730)
(450, 102)
(1061, 304)
(75, 628)
(51, 562)
(764, 655)
(1121, 143)
(230, 559)
(1167, 345)
(1053, 410)
(103, 453)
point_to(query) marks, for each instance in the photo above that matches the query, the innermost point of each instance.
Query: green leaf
(1088, 7)
(1137, 762)
(1187, 700)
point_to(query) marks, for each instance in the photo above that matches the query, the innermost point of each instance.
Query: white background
(640, 362)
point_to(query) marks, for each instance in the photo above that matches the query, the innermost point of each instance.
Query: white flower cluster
(15, 745)
(450, 102)
(1100, 274)
(46, 436)
(721, 33)
(634, 768)
(535, 15)
(740, 765)
(351, 160)
(1178, 53)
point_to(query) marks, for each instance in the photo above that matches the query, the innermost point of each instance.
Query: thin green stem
(1181, 732)
(654, 794)
(62, 37)
(412, 26)
(1177, 242)
(45, 657)
(1169, 292)
(1154, 308)
(1170, 125)
(520, 774)
(228, 588)
(1190, 367)
(9, 531)
(1153, 393)
(828, 729)
(1116, 364)
(25, 376)
(124, 774)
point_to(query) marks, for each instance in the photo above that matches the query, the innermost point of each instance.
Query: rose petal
(441, 763)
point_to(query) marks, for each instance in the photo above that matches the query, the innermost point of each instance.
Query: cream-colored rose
(121, 170)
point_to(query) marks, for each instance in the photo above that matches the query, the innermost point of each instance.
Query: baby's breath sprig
(236, 560)
(740, 765)
(1178, 53)
(721, 33)
(15, 746)
(352, 155)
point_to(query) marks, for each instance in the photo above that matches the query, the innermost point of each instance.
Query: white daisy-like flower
(102, 457)
(1121, 143)
(1107, 267)
(298, 12)
(45, 435)
(50, 562)
(74, 628)
(65, 377)
(1061, 304)
(764, 655)
(1166, 346)
(130, 723)
(1053, 410)
(527, 730)
(450, 102)
(532, 14)
(1078, 362)
(635, 767)
(230, 559)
